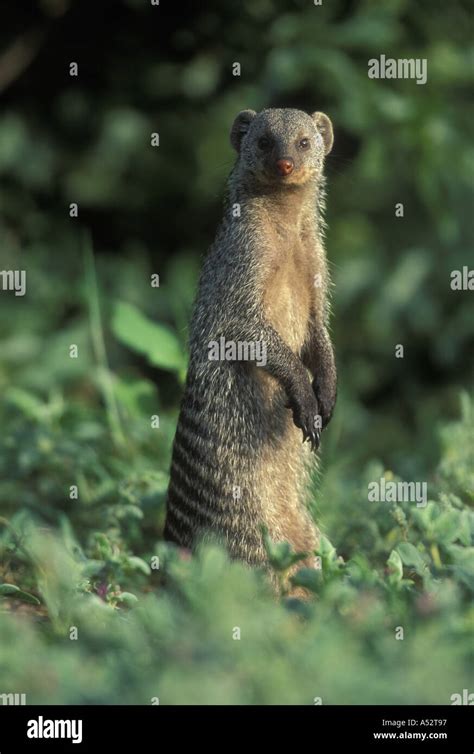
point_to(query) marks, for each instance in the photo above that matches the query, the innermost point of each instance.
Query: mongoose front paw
(326, 399)
(305, 416)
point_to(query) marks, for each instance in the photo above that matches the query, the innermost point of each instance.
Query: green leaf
(155, 341)
(463, 564)
(411, 557)
(128, 599)
(332, 564)
(137, 564)
(26, 402)
(448, 526)
(10, 590)
(280, 554)
(309, 578)
(395, 566)
(326, 549)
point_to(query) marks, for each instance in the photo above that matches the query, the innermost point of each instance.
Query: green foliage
(169, 631)
(10, 590)
(159, 344)
(281, 556)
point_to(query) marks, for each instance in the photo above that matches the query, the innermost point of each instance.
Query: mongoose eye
(264, 143)
(304, 144)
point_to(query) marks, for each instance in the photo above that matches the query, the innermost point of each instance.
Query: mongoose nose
(285, 167)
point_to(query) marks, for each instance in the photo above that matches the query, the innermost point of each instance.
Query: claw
(313, 437)
(315, 440)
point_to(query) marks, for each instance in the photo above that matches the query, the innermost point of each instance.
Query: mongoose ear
(240, 127)
(324, 126)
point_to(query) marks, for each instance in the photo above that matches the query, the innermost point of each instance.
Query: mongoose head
(281, 147)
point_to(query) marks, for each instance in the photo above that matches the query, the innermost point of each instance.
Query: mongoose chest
(289, 288)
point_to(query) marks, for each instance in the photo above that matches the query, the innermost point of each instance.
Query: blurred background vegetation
(86, 421)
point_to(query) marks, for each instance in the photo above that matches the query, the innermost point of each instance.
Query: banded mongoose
(239, 458)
